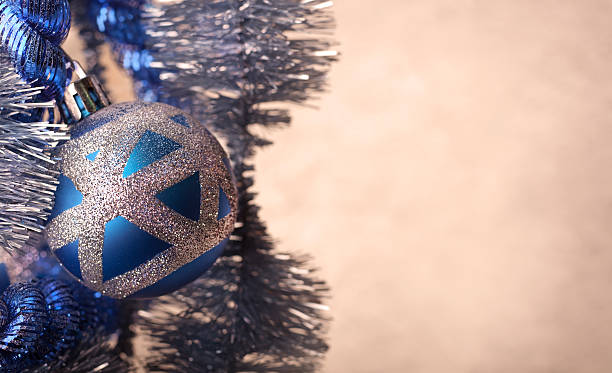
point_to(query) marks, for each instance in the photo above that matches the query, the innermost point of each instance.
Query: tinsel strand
(27, 178)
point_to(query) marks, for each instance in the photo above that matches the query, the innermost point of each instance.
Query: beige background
(455, 186)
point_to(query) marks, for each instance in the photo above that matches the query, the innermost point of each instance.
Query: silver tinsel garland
(27, 181)
(223, 60)
(228, 62)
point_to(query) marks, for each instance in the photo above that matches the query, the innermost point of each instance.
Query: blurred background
(454, 186)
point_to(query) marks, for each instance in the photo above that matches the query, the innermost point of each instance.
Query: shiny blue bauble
(146, 201)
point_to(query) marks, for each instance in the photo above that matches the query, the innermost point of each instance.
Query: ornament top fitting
(83, 97)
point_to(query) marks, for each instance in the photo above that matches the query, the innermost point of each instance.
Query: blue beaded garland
(26, 316)
(120, 20)
(63, 310)
(42, 319)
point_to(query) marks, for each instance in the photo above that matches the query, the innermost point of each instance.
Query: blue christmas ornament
(146, 199)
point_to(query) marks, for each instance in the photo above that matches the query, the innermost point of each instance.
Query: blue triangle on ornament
(150, 147)
(5, 280)
(183, 275)
(92, 156)
(180, 119)
(224, 206)
(69, 256)
(66, 196)
(126, 246)
(226, 162)
(184, 197)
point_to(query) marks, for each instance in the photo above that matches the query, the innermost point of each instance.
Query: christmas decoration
(146, 200)
(225, 62)
(93, 354)
(41, 320)
(29, 27)
(27, 180)
(27, 177)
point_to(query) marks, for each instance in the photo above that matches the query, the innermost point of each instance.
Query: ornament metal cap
(82, 97)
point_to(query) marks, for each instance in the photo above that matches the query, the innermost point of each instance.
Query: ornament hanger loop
(83, 97)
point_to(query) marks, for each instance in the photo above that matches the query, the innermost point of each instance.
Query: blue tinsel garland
(43, 319)
(31, 34)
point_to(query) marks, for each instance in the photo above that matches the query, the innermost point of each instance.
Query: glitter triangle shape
(69, 257)
(92, 156)
(184, 197)
(126, 246)
(67, 196)
(150, 147)
(180, 119)
(224, 205)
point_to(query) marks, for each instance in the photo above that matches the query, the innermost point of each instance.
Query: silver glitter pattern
(107, 194)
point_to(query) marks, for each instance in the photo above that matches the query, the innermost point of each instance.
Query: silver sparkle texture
(27, 178)
(107, 193)
(229, 63)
